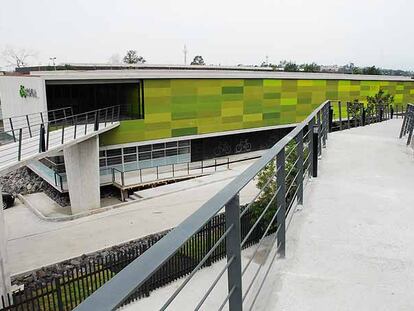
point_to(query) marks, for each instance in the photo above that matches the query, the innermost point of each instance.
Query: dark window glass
(144, 148)
(158, 146)
(130, 150)
(130, 158)
(144, 156)
(158, 154)
(113, 152)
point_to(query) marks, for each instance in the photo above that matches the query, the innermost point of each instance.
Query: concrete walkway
(33, 243)
(352, 245)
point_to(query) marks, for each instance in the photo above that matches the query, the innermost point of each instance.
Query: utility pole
(185, 54)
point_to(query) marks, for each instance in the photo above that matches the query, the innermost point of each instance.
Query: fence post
(281, 201)
(96, 124)
(340, 115)
(11, 127)
(311, 125)
(209, 242)
(315, 139)
(319, 131)
(299, 166)
(42, 145)
(233, 250)
(363, 116)
(330, 118)
(19, 152)
(28, 126)
(347, 114)
(59, 294)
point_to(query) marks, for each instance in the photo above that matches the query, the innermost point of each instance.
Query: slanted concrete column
(82, 171)
(5, 284)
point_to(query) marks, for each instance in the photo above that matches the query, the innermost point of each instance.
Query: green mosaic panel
(180, 107)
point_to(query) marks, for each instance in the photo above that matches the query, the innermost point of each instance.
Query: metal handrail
(39, 135)
(407, 127)
(202, 167)
(121, 286)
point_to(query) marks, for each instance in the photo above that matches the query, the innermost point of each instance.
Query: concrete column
(5, 283)
(82, 171)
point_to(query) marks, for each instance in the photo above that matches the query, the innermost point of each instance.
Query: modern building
(180, 114)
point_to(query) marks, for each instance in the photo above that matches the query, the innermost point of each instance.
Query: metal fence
(67, 291)
(408, 124)
(125, 178)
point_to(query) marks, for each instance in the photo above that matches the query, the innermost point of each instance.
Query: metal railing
(408, 124)
(124, 178)
(33, 120)
(304, 143)
(346, 115)
(39, 138)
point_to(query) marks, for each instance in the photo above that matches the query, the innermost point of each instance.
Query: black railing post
(42, 143)
(340, 115)
(233, 254)
(363, 116)
(96, 123)
(11, 127)
(28, 126)
(209, 242)
(347, 114)
(315, 139)
(19, 152)
(47, 136)
(391, 111)
(299, 166)
(281, 201)
(330, 118)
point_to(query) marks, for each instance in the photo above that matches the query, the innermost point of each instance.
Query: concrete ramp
(57, 136)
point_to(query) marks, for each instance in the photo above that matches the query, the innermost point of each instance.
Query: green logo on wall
(26, 92)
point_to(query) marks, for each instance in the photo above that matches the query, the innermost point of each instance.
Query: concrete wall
(82, 171)
(4, 271)
(12, 104)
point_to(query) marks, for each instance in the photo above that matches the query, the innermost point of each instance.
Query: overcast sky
(226, 32)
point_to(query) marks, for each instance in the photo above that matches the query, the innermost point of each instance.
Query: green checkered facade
(181, 107)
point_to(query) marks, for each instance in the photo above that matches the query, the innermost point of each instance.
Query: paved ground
(351, 246)
(33, 243)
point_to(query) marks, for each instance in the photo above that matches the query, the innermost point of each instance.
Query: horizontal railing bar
(116, 291)
(260, 218)
(271, 178)
(215, 282)
(265, 277)
(178, 290)
(227, 298)
(292, 183)
(261, 240)
(292, 168)
(260, 266)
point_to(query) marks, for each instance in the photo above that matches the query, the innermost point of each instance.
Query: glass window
(102, 162)
(144, 148)
(184, 143)
(183, 150)
(172, 144)
(113, 152)
(130, 150)
(102, 153)
(144, 156)
(130, 158)
(158, 146)
(158, 154)
(114, 161)
(170, 152)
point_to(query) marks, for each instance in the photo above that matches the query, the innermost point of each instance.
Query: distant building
(329, 68)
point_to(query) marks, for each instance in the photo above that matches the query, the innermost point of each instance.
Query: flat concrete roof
(143, 73)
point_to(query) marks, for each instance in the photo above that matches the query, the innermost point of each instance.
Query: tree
(132, 57)
(17, 57)
(198, 60)
(313, 67)
(371, 71)
(291, 66)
